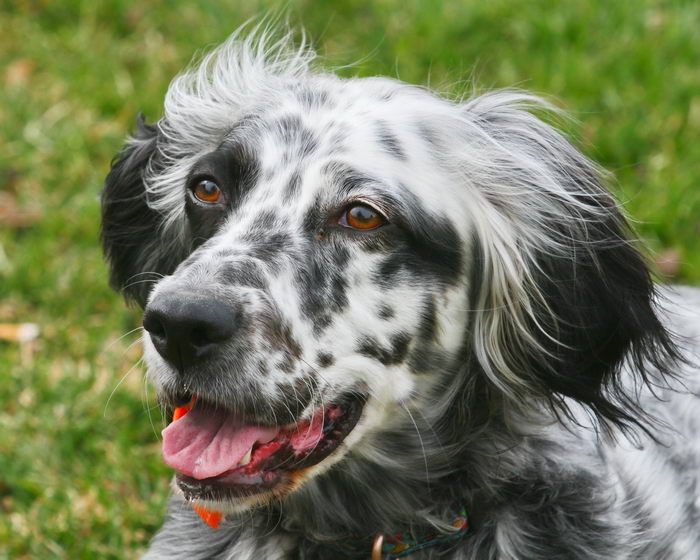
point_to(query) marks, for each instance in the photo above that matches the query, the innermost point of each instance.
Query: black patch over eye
(361, 216)
(208, 192)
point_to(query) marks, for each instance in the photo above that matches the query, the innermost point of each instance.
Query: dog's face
(339, 253)
(326, 282)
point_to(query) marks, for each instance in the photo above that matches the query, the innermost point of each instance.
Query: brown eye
(361, 216)
(207, 191)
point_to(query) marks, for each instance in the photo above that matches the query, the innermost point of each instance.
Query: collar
(400, 545)
(397, 546)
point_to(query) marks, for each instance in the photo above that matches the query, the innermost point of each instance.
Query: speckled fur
(515, 355)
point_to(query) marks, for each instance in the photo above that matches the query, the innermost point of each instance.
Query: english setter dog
(391, 324)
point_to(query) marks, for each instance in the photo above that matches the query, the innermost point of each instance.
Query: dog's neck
(340, 514)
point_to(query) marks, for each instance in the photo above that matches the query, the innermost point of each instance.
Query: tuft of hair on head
(144, 231)
(204, 102)
(561, 297)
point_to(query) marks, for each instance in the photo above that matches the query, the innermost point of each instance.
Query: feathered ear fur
(562, 297)
(131, 230)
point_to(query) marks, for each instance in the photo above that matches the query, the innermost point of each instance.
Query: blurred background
(80, 468)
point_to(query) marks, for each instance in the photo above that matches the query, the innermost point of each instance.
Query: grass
(80, 468)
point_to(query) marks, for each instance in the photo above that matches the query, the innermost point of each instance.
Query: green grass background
(80, 468)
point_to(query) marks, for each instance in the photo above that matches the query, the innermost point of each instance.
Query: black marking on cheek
(287, 364)
(424, 359)
(427, 328)
(341, 257)
(386, 312)
(287, 340)
(323, 289)
(339, 285)
(427, 247)
(243, 274)
(320, 273)
(325, 359)
(269, 249)
(390, 142)
(400, 342)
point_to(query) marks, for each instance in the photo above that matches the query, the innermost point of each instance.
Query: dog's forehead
(313, 138)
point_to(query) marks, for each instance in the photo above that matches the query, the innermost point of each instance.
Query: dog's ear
(131, 234)
(562, 296)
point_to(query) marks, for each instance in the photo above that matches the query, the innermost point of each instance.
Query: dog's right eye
(207, 191)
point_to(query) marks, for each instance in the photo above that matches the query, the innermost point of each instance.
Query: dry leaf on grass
(668, 263)
(14, 216)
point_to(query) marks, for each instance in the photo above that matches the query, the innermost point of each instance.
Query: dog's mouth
(218, 456)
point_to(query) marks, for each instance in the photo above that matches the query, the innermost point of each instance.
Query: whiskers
(151, 277)
(135, 366)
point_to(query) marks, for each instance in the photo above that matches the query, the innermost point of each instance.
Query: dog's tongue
(205, 443)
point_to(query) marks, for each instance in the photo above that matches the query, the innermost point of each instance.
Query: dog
(391, 324)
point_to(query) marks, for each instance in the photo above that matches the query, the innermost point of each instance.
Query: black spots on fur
(313, 99)
(321, 271)
(242, 273)
(427, 325)
(323, 287)
(271, 247)
(425, 246)
(339, 285)
(390, 142)
(291, 191)
(346, 179)
(280, 337)
(388, 96)
(426, 359)
(262, 368)
(425, 356)
(299, 142)
(429, 135)
(325, 359)
(400, 343)
(393, 355)
(314, 218)
(386, 312)
(287, 364)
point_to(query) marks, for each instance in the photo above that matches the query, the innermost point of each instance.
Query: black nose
(185, 331)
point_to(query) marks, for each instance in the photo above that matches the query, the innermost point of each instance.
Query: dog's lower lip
(280, 467)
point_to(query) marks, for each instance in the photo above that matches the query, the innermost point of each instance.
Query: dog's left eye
(207, 191)
(361, 216)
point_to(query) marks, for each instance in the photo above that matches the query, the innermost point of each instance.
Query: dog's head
(320, 258)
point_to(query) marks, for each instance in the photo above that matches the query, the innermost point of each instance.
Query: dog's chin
(274, 467)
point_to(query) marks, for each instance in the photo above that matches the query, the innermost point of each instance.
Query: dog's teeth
(246, 458)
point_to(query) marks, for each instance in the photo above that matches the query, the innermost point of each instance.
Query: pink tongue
(206, 443)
